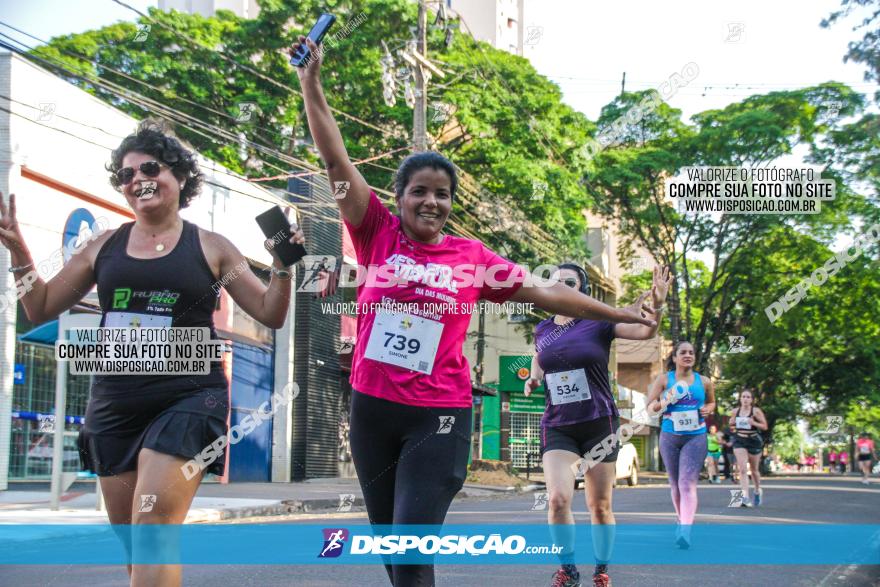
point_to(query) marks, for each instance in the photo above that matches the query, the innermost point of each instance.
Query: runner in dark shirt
(581, 419)
(158, 271)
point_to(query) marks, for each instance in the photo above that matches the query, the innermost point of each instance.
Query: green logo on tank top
(121, 295)
(164, 298)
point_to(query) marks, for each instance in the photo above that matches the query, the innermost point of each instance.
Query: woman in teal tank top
(685, 399)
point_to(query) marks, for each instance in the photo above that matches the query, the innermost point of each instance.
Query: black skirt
(179, 423)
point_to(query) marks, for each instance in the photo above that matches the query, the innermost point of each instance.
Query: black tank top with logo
(173, 290)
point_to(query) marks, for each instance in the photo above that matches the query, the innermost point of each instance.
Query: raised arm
(44, 301)
(351, 189)
(662, 281)
(565, 301)
(267, 304)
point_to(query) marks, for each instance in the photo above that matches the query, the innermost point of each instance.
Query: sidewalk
(28, 502)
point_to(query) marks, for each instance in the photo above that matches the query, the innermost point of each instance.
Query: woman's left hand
(704, 411)
(660, 288)
(297, 238)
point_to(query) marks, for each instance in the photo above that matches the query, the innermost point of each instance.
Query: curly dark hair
(156, 138)
(418, 161)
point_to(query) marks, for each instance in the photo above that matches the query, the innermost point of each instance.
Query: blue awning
(43, 334)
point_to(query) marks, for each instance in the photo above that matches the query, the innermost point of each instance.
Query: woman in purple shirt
(581, 419)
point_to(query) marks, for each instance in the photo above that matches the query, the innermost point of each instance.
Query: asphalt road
(788, 501)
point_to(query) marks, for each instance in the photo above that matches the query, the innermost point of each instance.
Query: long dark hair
(418, 161)
(670, 364)
(155, 138)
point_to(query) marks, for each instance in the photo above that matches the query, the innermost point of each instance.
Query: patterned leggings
(683, 455)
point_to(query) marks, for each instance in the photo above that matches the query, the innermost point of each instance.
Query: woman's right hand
(531, 385)
(669, 397)
(10, 234)
(312, 68)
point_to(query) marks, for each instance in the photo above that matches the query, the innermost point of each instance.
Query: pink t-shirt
(864, 446)
(434, 290)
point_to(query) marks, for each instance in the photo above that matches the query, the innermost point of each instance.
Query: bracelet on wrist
(282, 274)
(22, 267)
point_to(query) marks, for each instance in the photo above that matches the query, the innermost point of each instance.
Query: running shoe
(601, 580)
(746, 504)
(759, 495)
(865, 482)
(563, 579)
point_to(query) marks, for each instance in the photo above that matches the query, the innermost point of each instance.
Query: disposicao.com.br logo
(431, 544)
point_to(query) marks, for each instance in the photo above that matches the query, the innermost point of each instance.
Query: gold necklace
(160, 246)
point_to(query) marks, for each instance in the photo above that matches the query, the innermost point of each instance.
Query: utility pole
(420, 112)
(623, 84)
(481, 343)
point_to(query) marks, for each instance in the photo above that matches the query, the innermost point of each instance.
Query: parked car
(627, 467)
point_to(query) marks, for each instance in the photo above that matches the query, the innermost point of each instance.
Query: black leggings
(410, 462)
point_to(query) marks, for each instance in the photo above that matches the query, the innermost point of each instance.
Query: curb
(533, 487)
(216, 515)
(298, 506)
(493, 488)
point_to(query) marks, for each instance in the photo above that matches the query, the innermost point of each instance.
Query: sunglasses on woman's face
(571, 282)
(149, 168)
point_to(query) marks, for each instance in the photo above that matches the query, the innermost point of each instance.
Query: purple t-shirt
(565, 350)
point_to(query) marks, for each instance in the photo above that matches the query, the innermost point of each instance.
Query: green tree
(867, 49)
(788, 442)
(627, 184)
(823, 353)
(520, 195)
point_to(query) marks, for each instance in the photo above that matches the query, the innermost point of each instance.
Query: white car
(627, 467)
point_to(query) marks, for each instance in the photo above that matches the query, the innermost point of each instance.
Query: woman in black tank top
(745, 424)
(141, 432)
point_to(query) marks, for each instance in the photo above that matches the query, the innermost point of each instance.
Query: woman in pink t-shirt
(411, 387)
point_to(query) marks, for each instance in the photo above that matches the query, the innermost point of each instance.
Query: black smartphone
(302, 53)
(276, 227)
